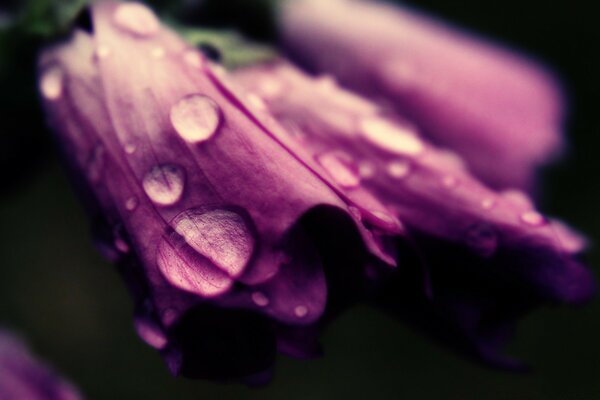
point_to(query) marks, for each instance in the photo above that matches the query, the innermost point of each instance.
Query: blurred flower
(24, 377)
(500, 112)
(239, 238)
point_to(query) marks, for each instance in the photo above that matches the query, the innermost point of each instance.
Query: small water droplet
(121, 245)
(193, 58)
(256, 101)
(169, 316)
(130, 148)
(158, 52)
(196, 118)
(131, 203)
(301, 311)
(150, 333)
(488, 204)
(449, 182)
(164, 184)
(102, 51)
(51, 83)
(391, 137)
(533, 218)
(338, 168)
(483, 239)
(399, 169)
(221, 236)
(366, 169)
(136, 18)
(95, 165)
(270, 87)
(260, 299)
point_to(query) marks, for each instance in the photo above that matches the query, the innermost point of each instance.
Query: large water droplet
(196, 118)
(260, 299)
(339, 169)
(150, 333)
(136, 18)
(391, 137)
(483, 239)
(188, 270)
(164, 184)
(51, 83)
(533, 218)
(221, 236)
(399, 169)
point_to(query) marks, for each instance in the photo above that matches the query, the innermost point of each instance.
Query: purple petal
(22, 376)
(479, 99)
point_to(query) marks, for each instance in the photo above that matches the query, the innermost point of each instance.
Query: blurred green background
(75, 311)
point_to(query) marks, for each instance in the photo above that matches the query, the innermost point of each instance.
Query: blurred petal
(483, 101)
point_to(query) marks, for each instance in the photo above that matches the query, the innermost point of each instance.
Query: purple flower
(242, 233)
(470, 260)
(483, 101)
(22, 376)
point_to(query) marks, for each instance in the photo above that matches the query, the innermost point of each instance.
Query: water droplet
(366, 169)
(164, 184)
(338, 168)
(488, 204)
(130, 148)
(158, 52)
(169, 316)
(221, 236)
(399, 169)
(196, 118)
(270, 87)
(136, 18)
(102, 51)
(51, 83)
(131, 203)
(121, 245)
(256, 101)
(533, 218)
(449, 182)
(260, 299)
(95, 165)
(301, 311)
(391, 137)
(150, 333)
(483, 239)
(193, 58)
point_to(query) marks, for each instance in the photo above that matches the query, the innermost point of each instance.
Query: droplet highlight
(391, 137)
(131, 203)
(150, 333)
(196, 118)
(399, 169)
(260, 299)
(533, 218)
(52, 82)
(164, 184)
(301, 311)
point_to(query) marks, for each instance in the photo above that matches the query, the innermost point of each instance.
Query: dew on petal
(533, 218)
(164, 184)
(193, 58)
(130, 148)
(185, 268)
(339, 170)
(131, 203)
(301, 311)
(196, 118)
(121, 245)
(270, 88)
(52, 82)
(150, 333)
(518, 198)
(256, 101)
(366, 169)
(487, 203)
(102, 51)
(221, 236)
(391, 137)
(158, 52)
(398, 169)
(136, 18)
(260, 299)
(449, 181)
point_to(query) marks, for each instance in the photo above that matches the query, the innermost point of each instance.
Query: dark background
(75, 311)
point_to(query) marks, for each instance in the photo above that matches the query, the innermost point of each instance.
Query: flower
(481, 100)
(241, 233)
(22, 376)
(471, 260)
